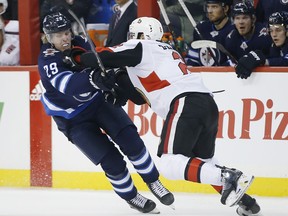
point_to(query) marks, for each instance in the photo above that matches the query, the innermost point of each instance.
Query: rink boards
(252, 133)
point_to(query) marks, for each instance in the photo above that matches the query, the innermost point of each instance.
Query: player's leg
(122, 182)
(189, 132)
(247, 205)
(133, 147)
(124, 133)
(95, 145)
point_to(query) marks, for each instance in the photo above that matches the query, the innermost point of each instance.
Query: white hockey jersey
(161, 75)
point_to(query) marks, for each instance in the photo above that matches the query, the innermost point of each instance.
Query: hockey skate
(162, 193)
(144, 205)
(248, 207)
(235, 186)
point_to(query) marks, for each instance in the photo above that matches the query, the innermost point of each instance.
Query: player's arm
(128, 57)
(127, 88)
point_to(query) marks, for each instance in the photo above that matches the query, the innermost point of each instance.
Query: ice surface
(59, 202)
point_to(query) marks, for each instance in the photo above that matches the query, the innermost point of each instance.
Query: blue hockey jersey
(203, 57)
(238, 46)
(68, 90)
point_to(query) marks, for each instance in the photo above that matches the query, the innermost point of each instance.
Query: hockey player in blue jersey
(278, 54)
(278, 30)
(216, 29)
(248, 34)
(78, 107)
(264, 8)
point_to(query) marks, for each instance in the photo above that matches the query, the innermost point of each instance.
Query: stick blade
(203, 43)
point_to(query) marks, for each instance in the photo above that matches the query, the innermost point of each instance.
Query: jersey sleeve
(127, 54)
(54, 71)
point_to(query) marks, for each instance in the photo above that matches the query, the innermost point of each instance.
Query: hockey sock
(123, 185)
(201, 172)
(145, 166)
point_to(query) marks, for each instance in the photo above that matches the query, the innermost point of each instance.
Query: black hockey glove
(104, 82)
(248, 63)
(124, 82)
(72, 57)
(117, 97)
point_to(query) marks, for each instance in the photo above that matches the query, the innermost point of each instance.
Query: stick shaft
(92, 45)
(191, 19)
(168, 23)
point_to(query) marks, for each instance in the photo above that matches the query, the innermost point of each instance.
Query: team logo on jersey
(214, 33)
(205, 56)
(50, 52)
(284, 1)
(263, 32)
(244, 46)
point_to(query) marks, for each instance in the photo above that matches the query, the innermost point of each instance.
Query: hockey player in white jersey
(188, 136)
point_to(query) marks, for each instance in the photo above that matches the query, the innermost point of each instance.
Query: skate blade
(172, 206)
(243, 184)
(154, 211)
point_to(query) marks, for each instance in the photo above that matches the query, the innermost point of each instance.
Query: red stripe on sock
(193, 169)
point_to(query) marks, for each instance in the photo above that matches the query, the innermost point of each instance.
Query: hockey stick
(168, 23)
(191, 19)
(92, 45)
(208, 43)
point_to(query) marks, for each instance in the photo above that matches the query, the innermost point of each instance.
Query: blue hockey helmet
(223, 2)
(245, 7)
(279, 18)
(55, 22)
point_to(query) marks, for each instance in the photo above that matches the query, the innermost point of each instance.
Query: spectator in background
(278, 55)
(264, 8)
(278, 30)
(9, 39)
(120, 21)
(11, 11)
(248, 34)
(215, 28)
(3, 7)
(179, 21)
(79, 7)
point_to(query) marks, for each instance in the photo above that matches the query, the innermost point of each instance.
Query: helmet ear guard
(147, 27)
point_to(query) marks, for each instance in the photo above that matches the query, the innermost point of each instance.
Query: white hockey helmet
(5, 5)
(149, 27)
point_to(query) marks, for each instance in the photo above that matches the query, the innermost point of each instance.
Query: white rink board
(255, 155)
(14, 121)
(263, 157)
